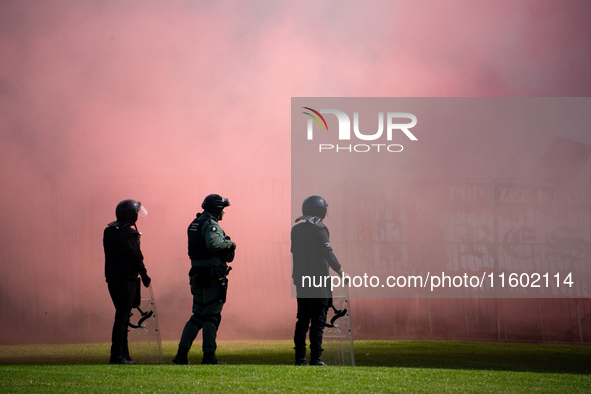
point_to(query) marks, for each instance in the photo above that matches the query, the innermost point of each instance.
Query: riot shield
(144, 333)
(337, 340)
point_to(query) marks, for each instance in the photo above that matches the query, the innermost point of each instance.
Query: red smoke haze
(166, 102)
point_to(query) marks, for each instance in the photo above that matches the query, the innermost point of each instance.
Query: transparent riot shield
(337, 340)
(145, 346)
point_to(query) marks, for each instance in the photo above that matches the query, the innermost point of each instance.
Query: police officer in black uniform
(312, 255)
(123, 263)
(210, 249)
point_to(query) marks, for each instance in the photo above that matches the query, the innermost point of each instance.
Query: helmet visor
(143, 212)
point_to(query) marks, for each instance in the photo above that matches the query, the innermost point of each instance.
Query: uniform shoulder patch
(327, 244)
(214, 229)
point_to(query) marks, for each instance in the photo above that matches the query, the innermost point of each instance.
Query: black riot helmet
(215, 204)
(315, 206)
(127, 211)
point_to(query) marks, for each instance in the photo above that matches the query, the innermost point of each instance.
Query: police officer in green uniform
(210, 249)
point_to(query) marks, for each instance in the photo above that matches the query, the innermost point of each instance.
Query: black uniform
(123, 262)
(312, 255)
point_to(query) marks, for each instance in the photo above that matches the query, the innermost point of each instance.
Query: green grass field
(382, 366)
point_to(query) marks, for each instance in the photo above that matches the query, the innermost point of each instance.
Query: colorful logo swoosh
(315, 118)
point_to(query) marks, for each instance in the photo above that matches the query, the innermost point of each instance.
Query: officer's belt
(209, 273)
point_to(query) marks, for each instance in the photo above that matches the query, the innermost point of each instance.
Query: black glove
(146, 280)
(233, 243)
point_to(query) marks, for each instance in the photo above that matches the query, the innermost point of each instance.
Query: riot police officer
(312, 255)
(210, 249)
(123, 262)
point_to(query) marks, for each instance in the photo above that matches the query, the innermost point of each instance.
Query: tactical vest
(198, 250)
(309, 257)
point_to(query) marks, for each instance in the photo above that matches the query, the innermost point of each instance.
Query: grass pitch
(382, 366)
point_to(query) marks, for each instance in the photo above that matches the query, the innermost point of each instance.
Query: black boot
(120, 360)
(117, 357)
(126, 354)
(316, 357)
(300, 356)
(209, 358)
(181, 356)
